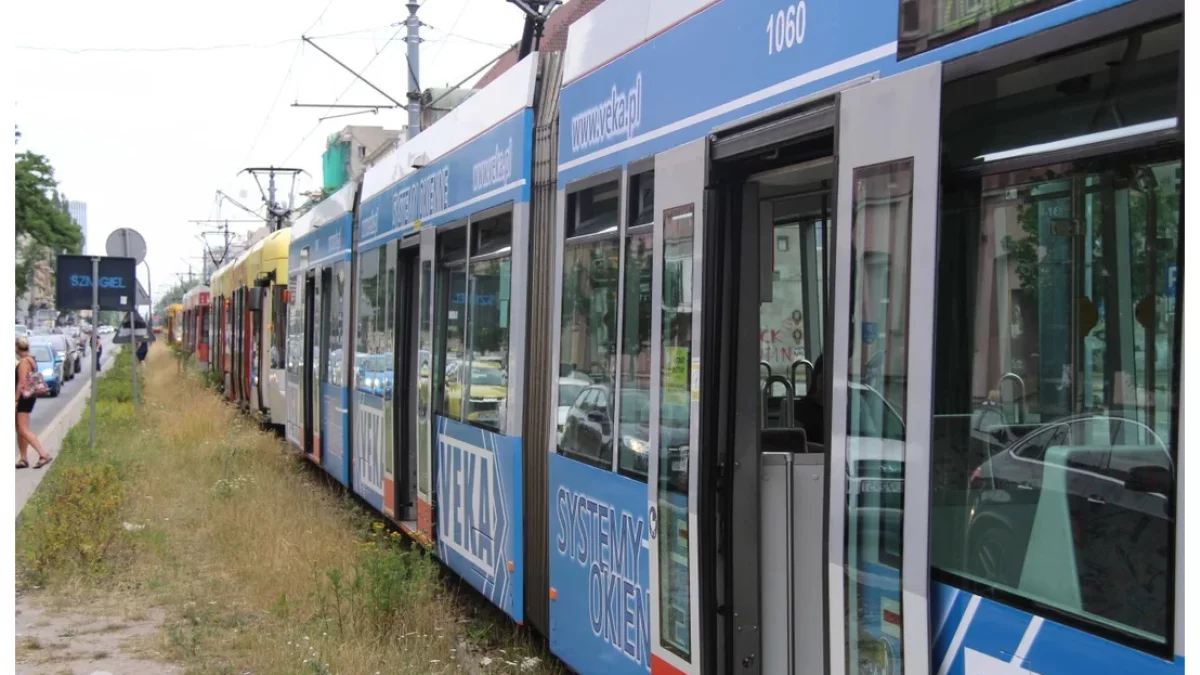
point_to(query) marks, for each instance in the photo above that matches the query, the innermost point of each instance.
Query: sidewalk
(52, 436)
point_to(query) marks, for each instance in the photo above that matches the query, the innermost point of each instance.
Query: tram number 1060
(785, 29)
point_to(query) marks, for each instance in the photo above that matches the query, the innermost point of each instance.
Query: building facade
(78, 211)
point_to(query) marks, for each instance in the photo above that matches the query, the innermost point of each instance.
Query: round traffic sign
(126, 243)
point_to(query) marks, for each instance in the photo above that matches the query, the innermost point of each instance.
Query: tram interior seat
(783, 439)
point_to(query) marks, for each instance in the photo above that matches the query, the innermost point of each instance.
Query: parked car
(64, 349)
(568, 391)
(49, 366)
(22, 329)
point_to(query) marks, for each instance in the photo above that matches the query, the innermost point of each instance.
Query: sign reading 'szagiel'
(479, 517)
(599, 569)
(474, 158)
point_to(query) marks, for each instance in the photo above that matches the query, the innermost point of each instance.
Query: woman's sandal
(23, 464)
(43, 462)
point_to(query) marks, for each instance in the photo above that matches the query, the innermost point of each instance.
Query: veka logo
(84, 281)
(467, 517)
(371, 470)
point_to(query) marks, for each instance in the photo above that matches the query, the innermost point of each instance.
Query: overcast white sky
(147, 137)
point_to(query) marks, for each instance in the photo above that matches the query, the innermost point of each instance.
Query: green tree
(173, 295)
(43, 224)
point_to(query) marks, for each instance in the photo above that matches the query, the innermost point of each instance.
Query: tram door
(678, 198)
(407, 368)
(308, 368)
(880, 368)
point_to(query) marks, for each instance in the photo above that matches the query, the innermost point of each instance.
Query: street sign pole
(132, 331)
(95, 345)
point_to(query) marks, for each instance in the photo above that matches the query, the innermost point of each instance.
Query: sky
(147, 110)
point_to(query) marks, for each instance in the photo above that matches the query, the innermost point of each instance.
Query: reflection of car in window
(587, 430)
(1067, 514)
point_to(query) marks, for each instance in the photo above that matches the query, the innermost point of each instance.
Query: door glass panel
(424, 378)
(675, 431)
(876, 392)
(1064, 326)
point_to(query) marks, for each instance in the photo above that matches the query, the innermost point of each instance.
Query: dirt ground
(86, 639)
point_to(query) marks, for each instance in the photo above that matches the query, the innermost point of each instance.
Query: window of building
(1057, 310)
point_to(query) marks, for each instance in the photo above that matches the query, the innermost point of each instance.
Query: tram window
(633, 452)
(641, 199)
(450, 322)
(588, 338)
(593, 209)
(1057, 310)
(487, 330)
(278, 326)
(927, 24)
(385, 330)
(334, 346)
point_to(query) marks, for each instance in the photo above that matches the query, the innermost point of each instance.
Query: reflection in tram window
(1065, 497)
(674, 430)
(633, 453)
(588, 347)
(450, 321)
(425, 382)
(491, 275)
(877, 381)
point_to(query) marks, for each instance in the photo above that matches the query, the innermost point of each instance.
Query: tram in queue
(848, 347)
(174, 319)
(252, 290)
(196, 324)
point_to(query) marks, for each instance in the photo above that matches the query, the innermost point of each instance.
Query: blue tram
(725, 342)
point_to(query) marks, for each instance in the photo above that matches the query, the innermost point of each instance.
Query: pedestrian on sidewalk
(26, 396)
(143, 348)
(99, 351)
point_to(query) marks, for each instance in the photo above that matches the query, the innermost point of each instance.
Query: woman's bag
(34, 384)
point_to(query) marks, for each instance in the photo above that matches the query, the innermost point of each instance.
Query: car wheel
(993, 554)
(56, 391)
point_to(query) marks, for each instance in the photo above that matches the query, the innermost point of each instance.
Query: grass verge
(261, 567)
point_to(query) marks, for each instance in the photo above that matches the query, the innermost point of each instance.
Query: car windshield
(567, 393)
(41, 353)
(635, 406)
(487, 376)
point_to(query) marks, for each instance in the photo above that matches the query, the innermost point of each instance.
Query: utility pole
(414, 66)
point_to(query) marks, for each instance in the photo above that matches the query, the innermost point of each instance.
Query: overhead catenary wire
(362, 70)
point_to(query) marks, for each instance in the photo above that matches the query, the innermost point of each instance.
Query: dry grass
(265, 569)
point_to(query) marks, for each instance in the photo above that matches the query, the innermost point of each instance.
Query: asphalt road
(46, 409)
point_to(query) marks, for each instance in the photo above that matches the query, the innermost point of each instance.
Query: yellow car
(489, 388)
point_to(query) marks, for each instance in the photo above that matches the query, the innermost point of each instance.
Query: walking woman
(26, 397)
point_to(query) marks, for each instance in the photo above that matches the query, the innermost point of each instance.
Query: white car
(568, 391)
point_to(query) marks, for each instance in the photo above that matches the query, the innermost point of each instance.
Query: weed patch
(260, 565)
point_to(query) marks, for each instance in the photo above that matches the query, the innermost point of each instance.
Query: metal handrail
(1020, 399)
(789, 407)
(764, 364)
(807, 364)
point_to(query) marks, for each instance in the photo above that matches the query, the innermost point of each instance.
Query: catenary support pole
(414, 68)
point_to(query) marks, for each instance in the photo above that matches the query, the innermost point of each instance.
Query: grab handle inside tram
(1018, 394)
(807, 376)
(788, 409)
